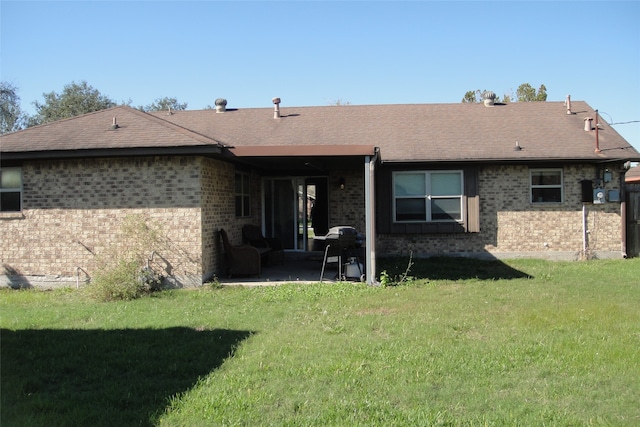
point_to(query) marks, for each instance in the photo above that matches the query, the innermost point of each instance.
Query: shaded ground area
(305, 267)
(77, 374)
(451, 268)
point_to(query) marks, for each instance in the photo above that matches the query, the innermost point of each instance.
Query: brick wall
(511, 226)
(346, 207)
(73, 211)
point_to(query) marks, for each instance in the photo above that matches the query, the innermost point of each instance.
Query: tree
(526, 93)
(75, 99)
(339, 102)
(12, 118)
(470, 97)
(162, 104)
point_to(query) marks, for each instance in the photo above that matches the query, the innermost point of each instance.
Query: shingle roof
(93, 131)
(633, 175)
(432, 132)
(440, 132)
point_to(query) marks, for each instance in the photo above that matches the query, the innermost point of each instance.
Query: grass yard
(467, 343)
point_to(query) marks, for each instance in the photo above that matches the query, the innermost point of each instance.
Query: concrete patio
(298, 267)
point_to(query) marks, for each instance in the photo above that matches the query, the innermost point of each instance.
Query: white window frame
(533, 186)
(13, 189)
(428, 197)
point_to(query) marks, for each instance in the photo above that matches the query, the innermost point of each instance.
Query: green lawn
(468, 343)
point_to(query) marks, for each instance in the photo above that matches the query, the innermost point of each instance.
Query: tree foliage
(526, 93)
(164, 104)
(75, 99)
(12, 118)
(339, 102)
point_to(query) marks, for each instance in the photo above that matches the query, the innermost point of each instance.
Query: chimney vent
(114, 124)
(276, 111)
(567, 103)
(587, 124)
(221, 105)
(489, 98)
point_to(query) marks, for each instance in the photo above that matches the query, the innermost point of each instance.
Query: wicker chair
(241, 260)
(271, 249)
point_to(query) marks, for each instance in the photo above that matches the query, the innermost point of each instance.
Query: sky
(319, 53)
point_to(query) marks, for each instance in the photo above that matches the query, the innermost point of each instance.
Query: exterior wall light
(341, 183)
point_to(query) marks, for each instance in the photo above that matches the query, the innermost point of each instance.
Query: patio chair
(253, 235)
(240, 260)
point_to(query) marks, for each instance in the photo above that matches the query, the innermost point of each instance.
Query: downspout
(585, 232)
(369, 207)
(623, 213)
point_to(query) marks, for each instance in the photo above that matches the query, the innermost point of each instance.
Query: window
(10, 190)
(242, 194)
(426, 196)
(546, 185)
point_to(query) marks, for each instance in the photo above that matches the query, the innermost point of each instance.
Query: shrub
(119, 282)
(121, 275)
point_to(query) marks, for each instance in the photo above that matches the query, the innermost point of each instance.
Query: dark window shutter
(472, 197)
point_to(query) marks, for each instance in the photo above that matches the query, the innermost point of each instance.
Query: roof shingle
(414, 132)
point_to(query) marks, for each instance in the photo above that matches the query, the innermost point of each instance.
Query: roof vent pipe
(567, 103)
(221, 105)
(597, 150)
(489, 98)
(276, 111)
(587, 124)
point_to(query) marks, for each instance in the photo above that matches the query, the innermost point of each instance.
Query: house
(538, 179)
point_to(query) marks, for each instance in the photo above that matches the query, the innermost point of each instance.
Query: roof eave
(204, 150)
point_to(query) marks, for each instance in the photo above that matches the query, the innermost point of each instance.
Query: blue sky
(314, 53)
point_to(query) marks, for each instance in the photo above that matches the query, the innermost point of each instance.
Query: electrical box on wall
(613, 195)
(598, 196)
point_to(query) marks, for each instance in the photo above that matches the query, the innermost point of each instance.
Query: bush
(120, 275)
(120, 282)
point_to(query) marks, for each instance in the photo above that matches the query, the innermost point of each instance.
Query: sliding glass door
(288, 204)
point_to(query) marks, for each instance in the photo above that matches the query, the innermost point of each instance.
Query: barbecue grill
(342, 243)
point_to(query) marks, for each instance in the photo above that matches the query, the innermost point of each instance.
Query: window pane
(446, 184)
(246, 206)
(411, 210)
(446, 209)
(546, 195)
(546, 178)
(11, 178)
(238, 183)
(238, 205)
(410, 184)
(245, 184)
(10, 202)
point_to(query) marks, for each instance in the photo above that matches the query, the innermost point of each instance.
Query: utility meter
(598, 196)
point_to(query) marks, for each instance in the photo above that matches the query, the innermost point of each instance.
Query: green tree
(164, 104)
(75, 99)
(12, 118)
(526, 93)
(470, 97)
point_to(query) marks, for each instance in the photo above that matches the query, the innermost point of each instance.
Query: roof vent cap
(489, 98)
(276, 111)
(221, 105)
